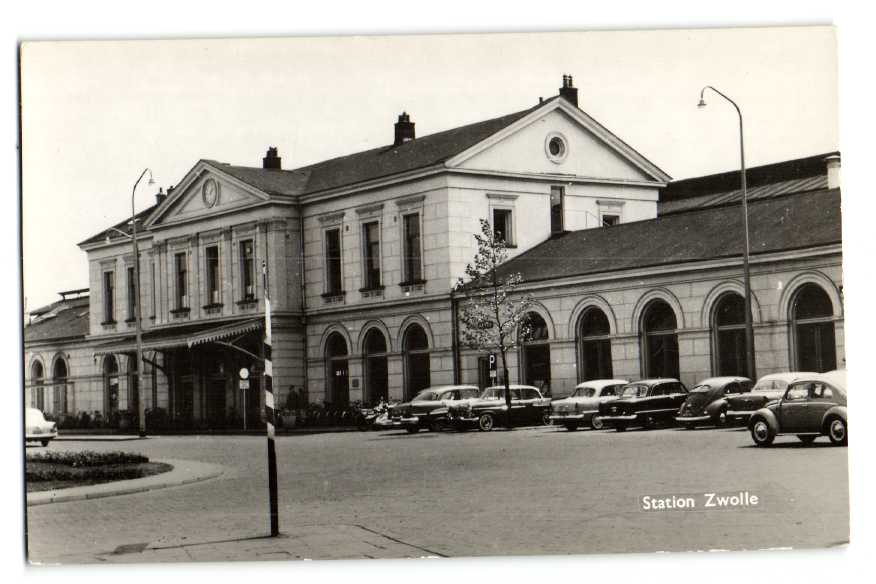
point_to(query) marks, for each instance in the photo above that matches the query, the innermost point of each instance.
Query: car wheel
(546, 418)
(838, 432)
(571, 427)
(620, 426)
(412, 429)
(721, 418)
(762, 433)
(649, 423)
(45, 442)
(486, 422)
(806, 438)
(596, 423)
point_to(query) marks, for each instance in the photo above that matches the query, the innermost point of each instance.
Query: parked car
(428, 409)
(644, 403)
(582, 406)
(528, 407)
(37, 428)
(768, 388)
(707, 402)
(813, 405)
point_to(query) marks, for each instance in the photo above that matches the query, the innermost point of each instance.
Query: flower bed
(59, 470)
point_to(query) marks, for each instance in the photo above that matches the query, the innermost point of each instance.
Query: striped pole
(270, 417)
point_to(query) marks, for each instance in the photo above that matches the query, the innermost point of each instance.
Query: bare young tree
(494, 317)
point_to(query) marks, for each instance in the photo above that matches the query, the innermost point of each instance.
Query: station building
(635, 275)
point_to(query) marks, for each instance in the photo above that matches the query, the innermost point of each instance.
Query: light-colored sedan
(37, 428)
(582, 406)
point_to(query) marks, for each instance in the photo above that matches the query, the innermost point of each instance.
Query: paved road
(528, 491)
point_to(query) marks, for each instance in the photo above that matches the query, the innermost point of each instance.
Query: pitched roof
(763, 182)
(125, 227)
(372, 164)
(60, 320)
(792, 222)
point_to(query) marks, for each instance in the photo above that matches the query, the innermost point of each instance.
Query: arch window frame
(717, 329)
(816, 324)
(410, 355)
(647, 336)
(600, 343)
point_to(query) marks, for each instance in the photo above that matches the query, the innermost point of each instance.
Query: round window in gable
(556, 147)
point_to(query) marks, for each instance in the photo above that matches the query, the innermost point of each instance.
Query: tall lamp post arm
(746, 274)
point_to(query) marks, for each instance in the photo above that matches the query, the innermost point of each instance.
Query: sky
(95, 114)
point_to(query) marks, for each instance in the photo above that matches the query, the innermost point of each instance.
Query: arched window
(728, 329)
(337, 369)
(133, 385)
(537, 354)
(59, 378)
(37, 392)
(110, 386)
(659, 340)
(595, 345)
(812, 325)
(376, 369)
(417, 362)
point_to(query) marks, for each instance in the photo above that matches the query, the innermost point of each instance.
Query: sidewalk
(322, 542)
(184, 472)
(116, 435)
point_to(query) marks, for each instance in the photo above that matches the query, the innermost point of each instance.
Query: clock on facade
(210, 191)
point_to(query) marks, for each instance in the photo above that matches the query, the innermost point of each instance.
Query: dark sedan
(528, 407)
(428, 409)
(644, 403)
(707, 402)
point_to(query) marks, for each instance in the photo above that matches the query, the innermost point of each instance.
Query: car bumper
(410, 421)
(618, 418)
(739, 414)
(568, 417)
(692, 419)
(37, 436)
(388, 423)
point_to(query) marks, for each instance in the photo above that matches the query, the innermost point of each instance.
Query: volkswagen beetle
(814, 405)
(767, 388)
(707, 401)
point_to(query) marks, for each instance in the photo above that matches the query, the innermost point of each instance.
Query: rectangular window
(333, 261)
(610, 219)
(132, 294)
(557, 196)
(109, 290)
(413, 258)
(371, 253)
(213, 289)
(502, 226)
(182, 275)
(247, 269)
(154, 288)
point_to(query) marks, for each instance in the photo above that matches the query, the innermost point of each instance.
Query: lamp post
(746, 275)
(141, 406)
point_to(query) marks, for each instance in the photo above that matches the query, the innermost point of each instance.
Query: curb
(184, 472)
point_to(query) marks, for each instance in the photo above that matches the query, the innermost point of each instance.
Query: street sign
(244, 384)
(492, 363)
(244, 373)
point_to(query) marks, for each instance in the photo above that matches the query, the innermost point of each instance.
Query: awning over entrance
(225, 332)
(181, 337)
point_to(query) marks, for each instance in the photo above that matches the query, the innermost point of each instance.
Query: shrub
(86, 458)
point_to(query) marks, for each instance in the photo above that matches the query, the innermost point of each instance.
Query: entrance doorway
(537, 355)
(337, 370)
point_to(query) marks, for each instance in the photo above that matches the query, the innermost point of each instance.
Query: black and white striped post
(270, 416)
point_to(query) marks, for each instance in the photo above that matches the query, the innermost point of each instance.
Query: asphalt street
(528, 491)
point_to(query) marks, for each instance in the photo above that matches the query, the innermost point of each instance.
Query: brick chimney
(160, 196)
(568, 91)
(271, 160)
(404, 130)
(833, 171)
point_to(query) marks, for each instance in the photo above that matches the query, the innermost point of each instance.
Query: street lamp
(141, 406)
(746, 275)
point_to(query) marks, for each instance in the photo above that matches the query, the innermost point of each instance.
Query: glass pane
(375, 342)
(730, 310)
(335, 346)
(415, 338)
(812, 302)
(594, 323)
(659, 317)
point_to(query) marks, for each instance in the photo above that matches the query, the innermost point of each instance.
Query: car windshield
(426, 395)
(635, 391)
(701, 389)
(584, 392)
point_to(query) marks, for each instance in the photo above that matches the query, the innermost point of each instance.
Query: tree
(494, 317)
